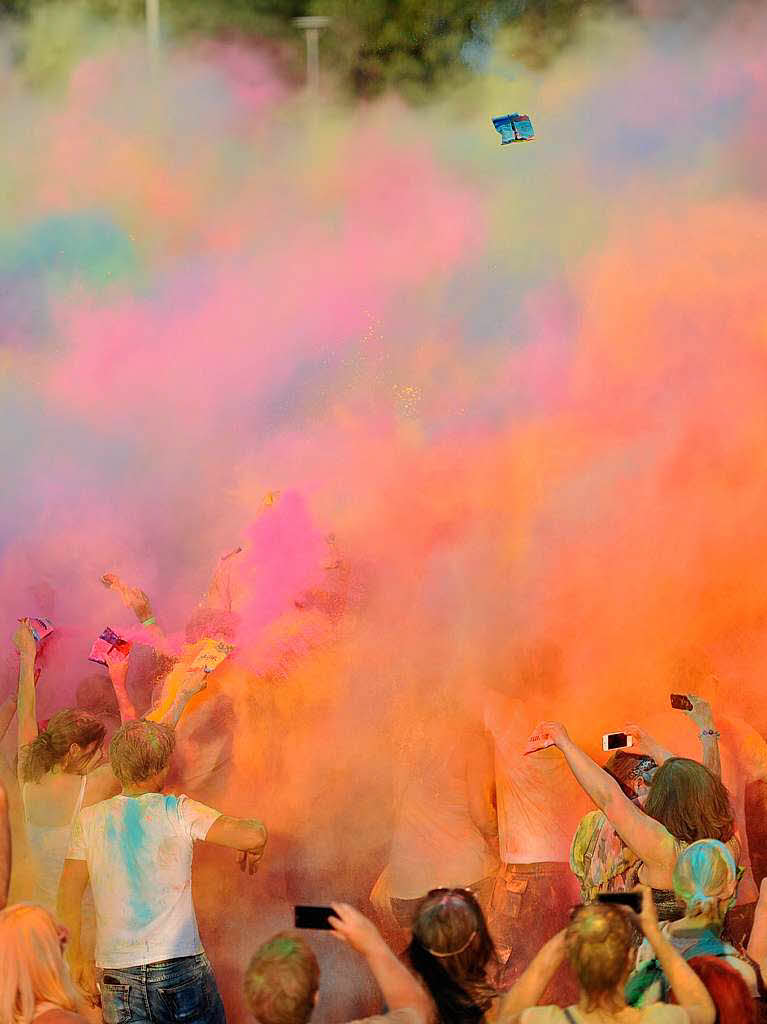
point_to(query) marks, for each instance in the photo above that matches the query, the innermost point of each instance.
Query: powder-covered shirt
(139, 855)
(540, 803)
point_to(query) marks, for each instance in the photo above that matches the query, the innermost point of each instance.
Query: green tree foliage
(413, 46)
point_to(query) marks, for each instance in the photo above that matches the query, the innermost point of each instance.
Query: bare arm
(7, 711)
(644, 743)
(118, 673)
(648, 839)
(74, 879)
(480, 785)
(531, 985)
(5, 848)
(248, 835)
(181, 686)
(689, 990)
(703, 717)
(757, 944)
(399, 988)
(27, 709)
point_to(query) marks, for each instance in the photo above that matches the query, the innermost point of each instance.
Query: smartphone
(108, 643)
(317, 918)
(626, 899)
(616, 740)
(681, 702)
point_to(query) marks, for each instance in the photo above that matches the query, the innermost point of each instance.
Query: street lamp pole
(153, 26)
(312, 27)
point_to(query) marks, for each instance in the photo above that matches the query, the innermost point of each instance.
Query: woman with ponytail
(705, 880)
(59, 773)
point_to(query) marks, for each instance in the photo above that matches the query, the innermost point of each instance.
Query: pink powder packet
(109, 643)
(40, 627)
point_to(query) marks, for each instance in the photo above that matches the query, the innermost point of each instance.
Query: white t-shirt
(139, 854)
(540, 803)
(659, 1013)
(743, 755)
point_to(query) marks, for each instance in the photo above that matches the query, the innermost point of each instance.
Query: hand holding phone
(632, 900)
(616, 740)
(317, 918)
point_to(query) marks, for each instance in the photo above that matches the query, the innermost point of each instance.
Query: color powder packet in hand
(537, 742)
(40, 627)
(211, 654)
(109, 643)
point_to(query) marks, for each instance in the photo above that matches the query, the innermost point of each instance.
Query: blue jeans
(162, 993)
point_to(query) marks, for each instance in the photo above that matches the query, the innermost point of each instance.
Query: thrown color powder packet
(514, 128)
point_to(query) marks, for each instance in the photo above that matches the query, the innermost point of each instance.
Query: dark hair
(141, 749)
(626, 768)
(451, 950)
(96, 695)
(690, 801)
(281, 981)
(729, 992)
(53, 742)
(599, 940)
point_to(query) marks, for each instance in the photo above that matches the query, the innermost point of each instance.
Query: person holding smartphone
(599, 944)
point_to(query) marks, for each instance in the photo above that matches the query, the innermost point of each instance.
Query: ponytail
(52, 744)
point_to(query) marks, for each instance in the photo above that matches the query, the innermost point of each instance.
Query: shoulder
(543, 1015)
(393, 1017)
(101, 785)
(664, 1013)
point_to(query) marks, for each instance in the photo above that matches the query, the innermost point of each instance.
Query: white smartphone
(616, 740)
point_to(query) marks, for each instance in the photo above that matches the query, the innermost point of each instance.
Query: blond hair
(704, 876)
(32, 968)
(598, 943)
(141, 749)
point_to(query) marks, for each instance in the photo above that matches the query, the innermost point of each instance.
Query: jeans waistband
(160, 970)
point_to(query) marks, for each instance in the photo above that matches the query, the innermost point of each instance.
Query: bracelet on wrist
(151, 621)
(710, 732)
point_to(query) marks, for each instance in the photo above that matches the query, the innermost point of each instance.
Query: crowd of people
(525, 881)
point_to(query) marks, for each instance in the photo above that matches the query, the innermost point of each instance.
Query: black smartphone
(681, 702)
(314, 917)
(616, 740)
(626, 899)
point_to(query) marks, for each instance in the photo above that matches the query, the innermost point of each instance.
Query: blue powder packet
(514, 128)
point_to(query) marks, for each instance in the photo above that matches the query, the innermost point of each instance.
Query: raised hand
(132, 597)
(24, 640)
(354, 928)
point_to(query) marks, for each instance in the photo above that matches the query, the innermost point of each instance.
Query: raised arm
(181, 685)
(648, 839)
(703, 717)
(532, 983)
(644, 743)
(5, 847)
(118, 673)
(135, 599)
(689, 990)
(757, 944)
(399, 988)
(26, 707)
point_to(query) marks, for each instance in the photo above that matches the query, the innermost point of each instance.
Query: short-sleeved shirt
(139, 855)
(659, 1013)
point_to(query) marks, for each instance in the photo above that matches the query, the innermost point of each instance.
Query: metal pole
(313, 60)
(153, 26)
(312, 26)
